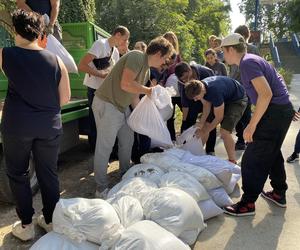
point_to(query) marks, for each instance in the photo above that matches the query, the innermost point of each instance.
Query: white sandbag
(176, 211)
(145, 119)
(175, 152)
(146, 235)
(233, 181)
(55, 241)
(189, 142)
(58, 49)
(166, 112)
(148, 171)
(220, 197)
(137, 187)
(128, 208)
(162, 160)
(162, 96)
(220, 168)
(209, 209)
(205, 177)
(186, 183)
(83, 219)
(172, 81)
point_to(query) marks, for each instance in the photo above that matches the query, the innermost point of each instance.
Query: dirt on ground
(76, 180)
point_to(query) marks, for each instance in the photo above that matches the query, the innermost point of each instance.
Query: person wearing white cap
(266, 130)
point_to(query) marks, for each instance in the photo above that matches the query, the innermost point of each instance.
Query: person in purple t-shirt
(266, 130)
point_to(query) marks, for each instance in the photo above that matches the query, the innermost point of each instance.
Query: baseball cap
(232, 39)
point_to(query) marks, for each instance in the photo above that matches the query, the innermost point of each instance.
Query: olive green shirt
(110, 90)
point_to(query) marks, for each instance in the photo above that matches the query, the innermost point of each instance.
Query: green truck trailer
(77, 39)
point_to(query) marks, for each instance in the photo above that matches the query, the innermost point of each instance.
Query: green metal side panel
(74, 115)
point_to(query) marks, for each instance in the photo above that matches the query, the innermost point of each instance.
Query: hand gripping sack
(146, 235)
(54, 46)
(148, 171)
(145, 119)
(83, 219)
(175, 211)
(55, 241)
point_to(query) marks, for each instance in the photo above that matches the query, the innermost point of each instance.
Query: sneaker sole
(239, 215)
(292, 161)
(275, 202)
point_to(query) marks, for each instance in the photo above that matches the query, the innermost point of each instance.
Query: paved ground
(271, 227)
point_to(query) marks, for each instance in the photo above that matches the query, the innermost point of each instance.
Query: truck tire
(5, 191)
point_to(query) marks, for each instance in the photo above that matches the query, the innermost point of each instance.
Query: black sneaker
(240, 146)
(279, 200)
(240, 209)
(292, 158)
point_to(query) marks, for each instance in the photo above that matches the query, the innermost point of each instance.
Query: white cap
(233, 39)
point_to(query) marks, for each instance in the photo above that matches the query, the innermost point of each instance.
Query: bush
(286, 74)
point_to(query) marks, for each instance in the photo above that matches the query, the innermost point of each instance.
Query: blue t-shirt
(202, 72)
(31, 107)
(253, 66)
(222, 89)
(40, 6)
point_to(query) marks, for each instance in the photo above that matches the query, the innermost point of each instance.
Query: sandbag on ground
(176, 211)
(83, 219)
(209, 209)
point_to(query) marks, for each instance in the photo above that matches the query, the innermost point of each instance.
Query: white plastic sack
(137, 187)
(233, 181)
(220, 197)
(176, 211)
(148, 171)
(83, 219)
(220, 168)
(162, 160)
(145, 119)
(55, 241)
(162, 96)
(186, 183)
(175, 152)
(166, 112)
(209, 209)
(128, 208)
(54, 46)
(146, 235)
(205, 177)
(189, 142)
(172, 81)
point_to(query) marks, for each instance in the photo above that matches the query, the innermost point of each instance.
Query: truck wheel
(5, 191)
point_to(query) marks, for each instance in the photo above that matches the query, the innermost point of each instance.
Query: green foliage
(192, 21)
(8, 5)
(278, 18)
(77, 11)
(286, 74)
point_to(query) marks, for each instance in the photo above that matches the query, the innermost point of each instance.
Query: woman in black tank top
(38, 86)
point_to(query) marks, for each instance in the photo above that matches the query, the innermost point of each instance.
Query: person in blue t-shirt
(227, 100)
(266, 130)
(190, 108)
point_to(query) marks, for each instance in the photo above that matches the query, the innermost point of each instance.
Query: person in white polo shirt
(97, 63)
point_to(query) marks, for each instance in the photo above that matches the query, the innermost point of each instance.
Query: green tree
(294, 11)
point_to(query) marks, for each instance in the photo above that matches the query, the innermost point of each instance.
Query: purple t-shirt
(252, 66)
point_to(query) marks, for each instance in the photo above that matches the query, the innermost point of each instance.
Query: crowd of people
(221, 92)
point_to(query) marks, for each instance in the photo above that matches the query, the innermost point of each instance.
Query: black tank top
(40, 6)
(31, 106)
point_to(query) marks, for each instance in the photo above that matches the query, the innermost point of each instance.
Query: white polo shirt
(100, 49)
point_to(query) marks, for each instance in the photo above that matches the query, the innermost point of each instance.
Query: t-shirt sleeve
(97, 49)
(251, 69)
(134, 63)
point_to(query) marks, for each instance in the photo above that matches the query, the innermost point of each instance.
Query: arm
(219, 115)
(205, 113)
(21, 4)
(129, 84)
(264, 93)
(85, 67)
(54, 11)
(185, 111)
(64, 90)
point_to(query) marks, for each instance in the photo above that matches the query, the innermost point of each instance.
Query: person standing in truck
(49, 7)
(31, 120)
(97, 63)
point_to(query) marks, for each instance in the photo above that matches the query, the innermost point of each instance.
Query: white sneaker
(23, 233)
(102, 195)
(42, 223)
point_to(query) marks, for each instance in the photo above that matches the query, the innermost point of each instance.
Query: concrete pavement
(272, 227)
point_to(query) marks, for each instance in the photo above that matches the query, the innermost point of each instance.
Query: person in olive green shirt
(120, 89)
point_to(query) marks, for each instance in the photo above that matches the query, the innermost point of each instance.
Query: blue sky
(236, 17)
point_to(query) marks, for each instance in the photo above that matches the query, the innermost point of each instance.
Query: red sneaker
(240, 209)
